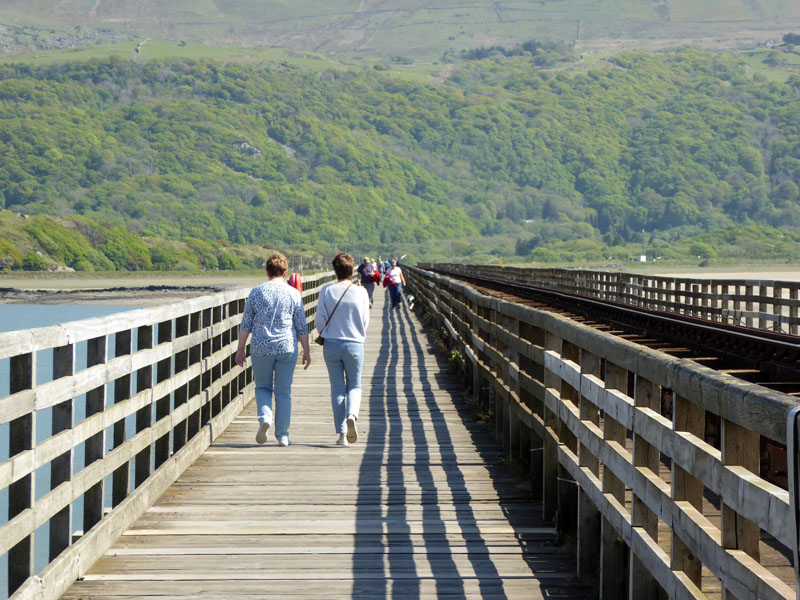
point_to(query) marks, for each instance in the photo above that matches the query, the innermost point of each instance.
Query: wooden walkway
(422, 506)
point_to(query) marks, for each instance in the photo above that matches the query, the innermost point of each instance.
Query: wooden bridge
(521, 457)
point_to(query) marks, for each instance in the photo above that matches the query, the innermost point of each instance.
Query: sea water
(14, 317)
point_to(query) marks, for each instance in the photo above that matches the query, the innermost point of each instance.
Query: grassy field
(413, 29)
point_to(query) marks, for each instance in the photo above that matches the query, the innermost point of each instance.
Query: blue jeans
(344, 361)
(370, 287)
(279, 367)
(396, 294)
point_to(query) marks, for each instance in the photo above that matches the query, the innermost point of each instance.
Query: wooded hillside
(675, 144)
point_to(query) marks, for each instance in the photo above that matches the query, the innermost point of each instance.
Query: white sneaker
(261, 434)
(284, 441)
(341, 441)
(352, 434)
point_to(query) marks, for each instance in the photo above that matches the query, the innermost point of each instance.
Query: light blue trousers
(274, 374)
(344, 361)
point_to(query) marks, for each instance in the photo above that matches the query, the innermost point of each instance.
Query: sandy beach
(127, 289)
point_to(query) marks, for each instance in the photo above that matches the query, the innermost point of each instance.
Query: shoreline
(145, 296)
(139, 291)
(153, 289)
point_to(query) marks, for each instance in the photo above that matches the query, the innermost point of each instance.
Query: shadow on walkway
(445, 532)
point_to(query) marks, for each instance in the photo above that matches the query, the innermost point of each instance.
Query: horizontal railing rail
(763, 304)
(133, 400)
(614, 436)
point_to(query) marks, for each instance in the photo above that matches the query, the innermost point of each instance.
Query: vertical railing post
(688, 417)
(195, 384)
(181, 394)
(645, 456)
(163, 372)
(552, 383)
(122, 391)
(512, 380)
(535, 371)
(588, 514)
(777, 309)
(763, 309)
(61, 466)
(706, 301)
(218, 369)
(22, 437)
(613, 554)
(95, 445)
(740, 447)
(477, 381)
(228, 363)
(567, 486)
(144, 416)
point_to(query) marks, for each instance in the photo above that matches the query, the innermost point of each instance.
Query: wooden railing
(134, 399)
(763, 304)
(614, 436)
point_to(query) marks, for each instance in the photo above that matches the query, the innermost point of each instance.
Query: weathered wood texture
(764, 304)
(137, 396)
(611, 414)
(421, 506)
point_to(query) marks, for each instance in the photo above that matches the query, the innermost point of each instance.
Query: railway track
(769, 359)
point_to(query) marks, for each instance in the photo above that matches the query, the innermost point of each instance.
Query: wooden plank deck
(421, 506)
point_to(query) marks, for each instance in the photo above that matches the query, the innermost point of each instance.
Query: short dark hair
(277, 265)
(343, 265)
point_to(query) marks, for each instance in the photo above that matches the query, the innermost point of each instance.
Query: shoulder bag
(321, 340)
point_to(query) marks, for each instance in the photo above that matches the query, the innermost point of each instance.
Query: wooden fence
(156, 387)
(614, 436)
(764, 304)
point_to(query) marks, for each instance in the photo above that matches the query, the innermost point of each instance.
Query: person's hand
(306, 359)
(240, 358)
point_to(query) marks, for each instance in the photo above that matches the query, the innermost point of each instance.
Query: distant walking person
(274, 314)
(342, 319)
(395, 283)
(365, 272)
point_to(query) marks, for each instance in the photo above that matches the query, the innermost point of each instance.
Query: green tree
(33, 262)
(126, 250)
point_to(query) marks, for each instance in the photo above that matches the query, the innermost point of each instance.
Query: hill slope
(673, 145)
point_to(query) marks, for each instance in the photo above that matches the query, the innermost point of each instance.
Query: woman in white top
(395, 283)
(342, 318)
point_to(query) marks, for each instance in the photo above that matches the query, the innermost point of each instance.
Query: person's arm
(321, 316)
(245, 327)
(402, 278)
(301, 329)
(240, 357)
(303, 339)
(365, 311)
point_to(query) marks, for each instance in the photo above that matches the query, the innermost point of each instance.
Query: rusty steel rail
(775, 355)
(765, 304)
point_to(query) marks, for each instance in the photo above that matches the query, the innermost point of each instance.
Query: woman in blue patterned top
(274, 314)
